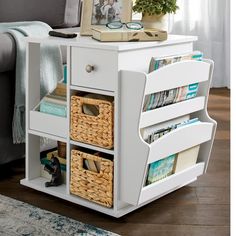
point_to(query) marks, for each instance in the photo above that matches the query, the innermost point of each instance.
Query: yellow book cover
(104, 34)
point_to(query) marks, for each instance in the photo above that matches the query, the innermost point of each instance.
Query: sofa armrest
(56, 13)
(7, 52)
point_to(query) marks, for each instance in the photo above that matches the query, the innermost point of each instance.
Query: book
(104, 34)
(159, 62)
(60, 90)
(186, 158)
(187, 92)
(160, 169)
(53, 109)
(65, 73)
(147, 131)
(92, 166)
(161, 130)
(168, 97)
(55, 99)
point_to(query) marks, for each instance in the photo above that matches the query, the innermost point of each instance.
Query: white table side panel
(68, 93)
(134, 151)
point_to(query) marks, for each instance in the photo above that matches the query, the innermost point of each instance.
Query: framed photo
(101, 12)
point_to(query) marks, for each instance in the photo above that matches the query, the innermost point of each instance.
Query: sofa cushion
(7, 52)
(57, 13)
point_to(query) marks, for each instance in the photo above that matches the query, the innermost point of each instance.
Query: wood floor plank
(167, 230)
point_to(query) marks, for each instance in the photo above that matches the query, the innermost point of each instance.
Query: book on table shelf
(60, 90)
(104, 34)
(186, 158)
(171, 96)
(168, 97)
(152, 133)
(160, 169)
(172, 164)
(159, 62)
(55, 103)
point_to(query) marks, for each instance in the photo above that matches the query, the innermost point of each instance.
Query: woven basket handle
(88, 157)
(93, 102)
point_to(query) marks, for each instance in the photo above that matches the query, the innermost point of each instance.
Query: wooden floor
(201, 209)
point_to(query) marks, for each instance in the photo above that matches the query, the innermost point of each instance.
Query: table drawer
(94, 68)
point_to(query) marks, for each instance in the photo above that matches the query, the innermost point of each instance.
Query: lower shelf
(61, 192)
(148, 193)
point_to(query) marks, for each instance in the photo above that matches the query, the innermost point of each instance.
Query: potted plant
(155, 12)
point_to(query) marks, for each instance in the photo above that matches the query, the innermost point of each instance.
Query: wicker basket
(96, 130)
(96, 187)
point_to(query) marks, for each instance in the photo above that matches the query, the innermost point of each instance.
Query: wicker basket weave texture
(96, 187)
(95, 130)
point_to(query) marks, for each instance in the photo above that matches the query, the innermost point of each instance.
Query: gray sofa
(58, 14)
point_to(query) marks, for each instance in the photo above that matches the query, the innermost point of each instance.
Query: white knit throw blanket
(50, 68)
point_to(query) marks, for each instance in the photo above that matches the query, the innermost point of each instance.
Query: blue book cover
(160, 169)
(53, 109)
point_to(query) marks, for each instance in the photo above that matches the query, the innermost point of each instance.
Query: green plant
(155, 7)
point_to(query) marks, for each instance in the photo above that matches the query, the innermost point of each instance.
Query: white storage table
(121, 70)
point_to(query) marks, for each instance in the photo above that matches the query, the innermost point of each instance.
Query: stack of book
(169, 97)
(175, 95)
(104, 34)
(55, 102)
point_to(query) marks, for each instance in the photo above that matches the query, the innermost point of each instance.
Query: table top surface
(89, 42)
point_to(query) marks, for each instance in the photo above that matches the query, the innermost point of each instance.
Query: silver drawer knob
(89, 68)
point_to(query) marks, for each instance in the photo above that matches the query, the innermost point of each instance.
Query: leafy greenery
(155, 7)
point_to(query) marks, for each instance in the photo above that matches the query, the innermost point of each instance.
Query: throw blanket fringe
(18, 125)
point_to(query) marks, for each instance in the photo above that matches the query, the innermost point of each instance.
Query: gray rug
(21, 219)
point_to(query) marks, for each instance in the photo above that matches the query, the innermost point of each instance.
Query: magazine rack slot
(174, 181)
(177, 75)
(179, 140)
(136, 154)
(171, 111)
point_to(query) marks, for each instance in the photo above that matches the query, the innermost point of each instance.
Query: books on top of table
(104, 34)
